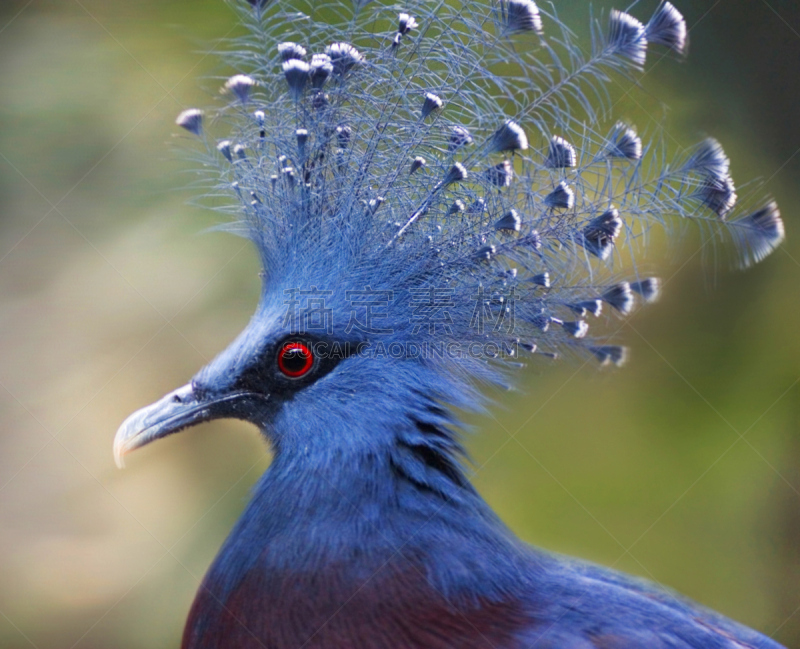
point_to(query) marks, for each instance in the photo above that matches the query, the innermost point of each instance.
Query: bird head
(262, 369)
(315, 356)
(414, 236)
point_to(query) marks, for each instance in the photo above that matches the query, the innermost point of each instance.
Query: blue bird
(436, 194)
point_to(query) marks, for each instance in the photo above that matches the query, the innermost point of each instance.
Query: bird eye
(295, 359)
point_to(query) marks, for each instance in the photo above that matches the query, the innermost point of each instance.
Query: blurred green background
(683, 468)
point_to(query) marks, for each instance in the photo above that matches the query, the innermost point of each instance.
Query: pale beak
(170, 414)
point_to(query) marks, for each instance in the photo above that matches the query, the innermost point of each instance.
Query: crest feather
(516, 204)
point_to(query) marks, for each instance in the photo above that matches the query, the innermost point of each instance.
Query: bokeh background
(683, 468)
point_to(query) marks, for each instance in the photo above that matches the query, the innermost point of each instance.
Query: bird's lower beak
(172, 413)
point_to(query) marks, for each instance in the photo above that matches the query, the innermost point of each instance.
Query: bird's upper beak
(170, 414)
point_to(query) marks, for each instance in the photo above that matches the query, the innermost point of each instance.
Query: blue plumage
(433, 195)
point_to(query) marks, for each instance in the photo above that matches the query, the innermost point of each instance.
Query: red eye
(295, 359)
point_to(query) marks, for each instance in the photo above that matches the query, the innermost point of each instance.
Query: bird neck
(353, 492)
(372, 433)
